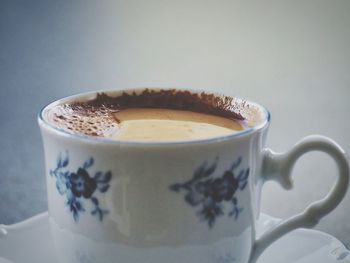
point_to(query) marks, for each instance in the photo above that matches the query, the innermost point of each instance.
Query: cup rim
(44, 123)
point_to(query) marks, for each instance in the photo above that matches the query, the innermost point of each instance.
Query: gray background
(291, 56)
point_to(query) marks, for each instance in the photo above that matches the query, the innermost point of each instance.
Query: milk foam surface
(170, 125)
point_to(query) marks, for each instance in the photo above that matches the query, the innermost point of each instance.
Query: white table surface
(291, 56)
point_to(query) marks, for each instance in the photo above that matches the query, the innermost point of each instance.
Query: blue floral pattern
(211, 192)
(80, 186)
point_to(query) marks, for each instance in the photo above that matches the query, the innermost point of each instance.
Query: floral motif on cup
(214, 192)
(80, 186)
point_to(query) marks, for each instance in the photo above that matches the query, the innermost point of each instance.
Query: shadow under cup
(127, 201)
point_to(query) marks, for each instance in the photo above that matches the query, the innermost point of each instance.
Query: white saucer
(30, 242)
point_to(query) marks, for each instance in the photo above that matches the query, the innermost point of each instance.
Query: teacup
(191, 201)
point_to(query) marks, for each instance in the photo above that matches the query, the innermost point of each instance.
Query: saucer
(30, 242)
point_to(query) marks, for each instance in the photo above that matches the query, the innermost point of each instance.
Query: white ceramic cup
(189, 202)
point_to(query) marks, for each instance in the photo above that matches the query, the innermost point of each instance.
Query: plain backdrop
(291, 56)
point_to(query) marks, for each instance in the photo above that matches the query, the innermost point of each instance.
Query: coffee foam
(96, 117)
(86, 120)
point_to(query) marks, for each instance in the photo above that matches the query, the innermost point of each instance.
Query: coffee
(147, 124)
(150, 116)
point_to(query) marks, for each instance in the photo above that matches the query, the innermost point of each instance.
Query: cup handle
(278, 167)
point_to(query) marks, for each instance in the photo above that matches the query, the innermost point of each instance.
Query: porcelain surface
(185, 201)
(30, 241)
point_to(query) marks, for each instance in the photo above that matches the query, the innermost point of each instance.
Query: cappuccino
(147, 124)
(149, 116)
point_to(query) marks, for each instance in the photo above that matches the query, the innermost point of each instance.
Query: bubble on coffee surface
(84, 119)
